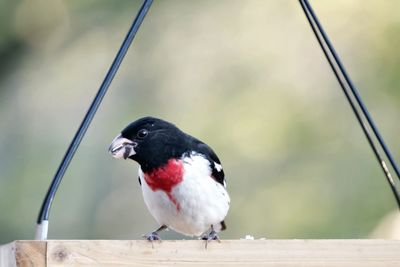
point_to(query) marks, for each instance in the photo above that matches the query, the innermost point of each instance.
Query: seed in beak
(127, 151)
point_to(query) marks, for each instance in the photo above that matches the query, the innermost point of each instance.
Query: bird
(181, 178)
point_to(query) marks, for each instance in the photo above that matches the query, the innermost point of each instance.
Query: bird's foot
(153, 236)
(210, 237)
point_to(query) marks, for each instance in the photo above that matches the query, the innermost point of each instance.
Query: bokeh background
(247, 77)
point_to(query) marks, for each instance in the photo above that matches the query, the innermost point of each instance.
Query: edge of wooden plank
(7, 255)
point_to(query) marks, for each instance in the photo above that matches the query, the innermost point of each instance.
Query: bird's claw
(210, 237)
(153, 236)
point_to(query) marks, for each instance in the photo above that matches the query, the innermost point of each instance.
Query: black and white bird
(181, 178)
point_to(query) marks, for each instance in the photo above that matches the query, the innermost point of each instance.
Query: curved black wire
(45, 208)
(344, 79)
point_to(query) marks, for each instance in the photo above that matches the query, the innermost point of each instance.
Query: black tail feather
(223, 226)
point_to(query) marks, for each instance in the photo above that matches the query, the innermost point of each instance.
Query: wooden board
(7, 255)
(367, 252)
(23, 253)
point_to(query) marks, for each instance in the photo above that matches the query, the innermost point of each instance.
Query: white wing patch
(217, 166)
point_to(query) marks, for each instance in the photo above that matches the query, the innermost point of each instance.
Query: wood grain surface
(364, 252)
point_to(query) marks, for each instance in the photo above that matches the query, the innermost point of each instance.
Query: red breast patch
(165, 178)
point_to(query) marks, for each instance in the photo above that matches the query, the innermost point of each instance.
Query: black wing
(216, 167)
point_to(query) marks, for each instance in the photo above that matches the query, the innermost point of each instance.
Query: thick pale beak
(122, 147)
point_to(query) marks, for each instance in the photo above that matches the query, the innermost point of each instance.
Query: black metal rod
(345, 83)
(45, 208)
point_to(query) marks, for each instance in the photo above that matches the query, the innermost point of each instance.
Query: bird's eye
(142, 133)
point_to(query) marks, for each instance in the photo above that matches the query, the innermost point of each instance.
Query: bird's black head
(149, 141)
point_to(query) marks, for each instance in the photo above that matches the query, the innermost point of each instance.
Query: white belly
(200, 201)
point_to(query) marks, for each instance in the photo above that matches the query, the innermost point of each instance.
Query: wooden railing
(365, 252)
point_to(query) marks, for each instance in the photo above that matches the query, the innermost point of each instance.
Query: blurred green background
(247, 77)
